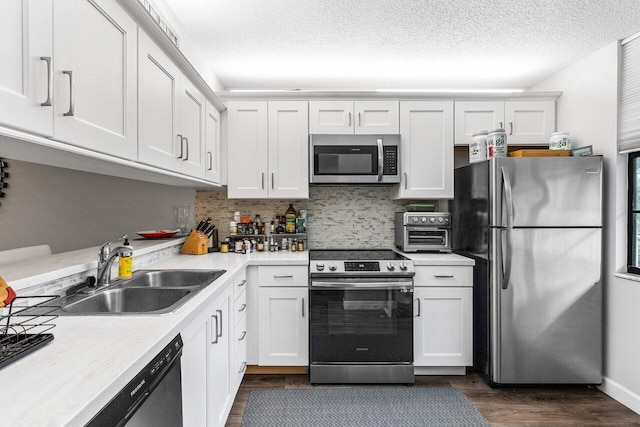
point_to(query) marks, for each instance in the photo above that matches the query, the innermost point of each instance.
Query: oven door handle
(363, 285)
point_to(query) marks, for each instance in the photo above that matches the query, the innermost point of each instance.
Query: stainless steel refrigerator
(534, 227)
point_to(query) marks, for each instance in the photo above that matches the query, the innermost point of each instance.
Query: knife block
(196, 244)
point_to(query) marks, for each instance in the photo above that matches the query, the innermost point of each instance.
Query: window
(633, 250)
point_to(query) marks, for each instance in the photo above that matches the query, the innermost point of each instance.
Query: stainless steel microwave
(354, 159)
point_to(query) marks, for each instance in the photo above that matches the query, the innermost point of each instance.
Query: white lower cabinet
(213, 359)
(443, 321)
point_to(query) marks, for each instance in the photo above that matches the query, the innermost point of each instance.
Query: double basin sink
(146, 292)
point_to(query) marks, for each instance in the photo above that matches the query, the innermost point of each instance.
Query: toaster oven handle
(380, 159)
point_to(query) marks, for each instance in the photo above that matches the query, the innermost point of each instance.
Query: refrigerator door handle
(508, 195)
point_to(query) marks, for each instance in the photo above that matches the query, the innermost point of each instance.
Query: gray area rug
(370, 407)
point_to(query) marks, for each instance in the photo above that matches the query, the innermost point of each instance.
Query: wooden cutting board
(540, 153)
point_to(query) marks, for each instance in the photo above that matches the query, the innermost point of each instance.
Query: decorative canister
(478, 147)
(497, 144)
(560, 141)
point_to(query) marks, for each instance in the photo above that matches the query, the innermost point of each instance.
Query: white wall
(70, 210)
(588, 110)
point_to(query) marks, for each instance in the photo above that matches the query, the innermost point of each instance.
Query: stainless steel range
(361, 317)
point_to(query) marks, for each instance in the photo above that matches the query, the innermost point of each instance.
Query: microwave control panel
(390, 166)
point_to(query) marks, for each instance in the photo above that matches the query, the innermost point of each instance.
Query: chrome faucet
(106, 258)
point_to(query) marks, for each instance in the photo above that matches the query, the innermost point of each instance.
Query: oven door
(361, 321)
(427, 238)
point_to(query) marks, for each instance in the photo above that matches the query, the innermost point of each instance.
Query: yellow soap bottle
(125, 267)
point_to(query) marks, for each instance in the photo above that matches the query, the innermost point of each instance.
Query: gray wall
(72, 210)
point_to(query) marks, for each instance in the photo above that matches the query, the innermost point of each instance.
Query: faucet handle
(105, 249)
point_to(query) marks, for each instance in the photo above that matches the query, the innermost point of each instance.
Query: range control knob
(332, 266)
(415, 219)
(423, 219)
(319, 267)
(432, 220)
(440, 220)
(391, 266)
(403, 265)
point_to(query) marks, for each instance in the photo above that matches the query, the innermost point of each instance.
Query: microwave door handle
(380, 159)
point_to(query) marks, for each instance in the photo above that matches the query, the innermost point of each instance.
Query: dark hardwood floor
(502, 407)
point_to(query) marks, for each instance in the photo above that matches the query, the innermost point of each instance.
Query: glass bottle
(290, 220)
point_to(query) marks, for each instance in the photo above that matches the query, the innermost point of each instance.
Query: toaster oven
(423, 231)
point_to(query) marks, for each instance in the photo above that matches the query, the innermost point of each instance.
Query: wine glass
(182, 215)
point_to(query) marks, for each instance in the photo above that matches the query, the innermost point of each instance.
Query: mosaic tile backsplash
(349, 217)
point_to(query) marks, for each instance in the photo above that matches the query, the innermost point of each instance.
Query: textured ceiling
(396, 44)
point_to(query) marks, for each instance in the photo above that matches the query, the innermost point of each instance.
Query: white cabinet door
(192, 129)
(220, 359)
(426, 162)
(212, 144)
(474, 116)
(194, 381)
(95, 69)
(530, 122)
(25, 65)
(331, 117)
(288, 150)
(247, 149)
(158, 90)
(443, 326)
(377, 117)
(283, 326)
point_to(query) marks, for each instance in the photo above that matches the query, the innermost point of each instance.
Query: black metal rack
(22, 331)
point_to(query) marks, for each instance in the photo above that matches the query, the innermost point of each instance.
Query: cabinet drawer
(238, 368)
(240, 337)
(297, 275)
(443, 276)
(239, 308)
(239, 284)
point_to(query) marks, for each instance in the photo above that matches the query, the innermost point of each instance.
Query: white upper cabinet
(526, 122)
(192, 130)
(268, 149)
(354, 117)
(426, 150)
(247, 149)
(474, 116)
(158, 90)
(95, 69)
(25, 65)
(212, 144)
(288, 150)
(529, 122)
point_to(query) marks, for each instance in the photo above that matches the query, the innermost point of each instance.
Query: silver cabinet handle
(273, 178)
(210, 160)
(263, 180)
(349, 118)
(244, 334)
(47, 59)
(186, 149)
(359, 119)
(71, 93)
(302, 307)
(181, 145)
(243, 367)
(510, 128)
(500, 125)
(215, 340)
(419, 308)
(242, 283)
(288, 276)
(443, 276)
(220, 311)
(406, 180)
(242, 307)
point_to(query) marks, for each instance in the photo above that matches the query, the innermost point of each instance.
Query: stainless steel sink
(147, 292)
(129, 300)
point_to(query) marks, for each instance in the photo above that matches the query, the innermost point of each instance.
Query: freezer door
(546, 321)
(546, 191)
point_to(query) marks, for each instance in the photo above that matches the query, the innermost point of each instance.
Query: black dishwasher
(152, 398)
